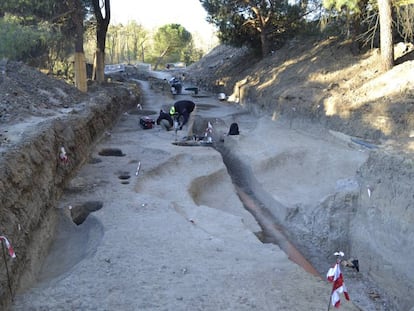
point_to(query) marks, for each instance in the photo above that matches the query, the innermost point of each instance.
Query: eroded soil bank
(33, 176)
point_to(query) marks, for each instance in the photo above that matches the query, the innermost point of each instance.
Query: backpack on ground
(234, 129)
(146, 122)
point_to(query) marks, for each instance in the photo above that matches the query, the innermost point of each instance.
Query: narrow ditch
(269, 214)
(80, 212)
(111, 152)
(255, 201)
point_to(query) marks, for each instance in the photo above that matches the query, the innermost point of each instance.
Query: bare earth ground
(176, 236)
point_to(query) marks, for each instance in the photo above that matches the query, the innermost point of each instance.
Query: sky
(155, 13)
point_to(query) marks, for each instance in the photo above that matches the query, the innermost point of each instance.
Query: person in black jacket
(165, 120)
(176, 85)
(182, 108)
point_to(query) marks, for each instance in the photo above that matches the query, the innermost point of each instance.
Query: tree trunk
(79, 66)
(160, 58)
(386, 42)
(99, 66)
(99, 62)
(262, 27)
(102, 24)
(265, 43)
(80, 72)
(142, 53)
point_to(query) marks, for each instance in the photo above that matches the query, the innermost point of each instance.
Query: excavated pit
(80, 212)
(255, 202)
(111, 152)
(85, 237)
(251, 194)
(124, 177)
(254, 198)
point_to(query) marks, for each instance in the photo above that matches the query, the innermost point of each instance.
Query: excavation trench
(255, 200)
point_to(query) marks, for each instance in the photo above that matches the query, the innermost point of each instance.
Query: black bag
(146, 123)
(234, 129)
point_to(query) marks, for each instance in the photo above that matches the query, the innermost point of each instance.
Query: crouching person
(165, 120)
(182, 109)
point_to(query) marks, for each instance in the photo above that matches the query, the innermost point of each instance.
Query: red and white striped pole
(6, 244)
(338, 262)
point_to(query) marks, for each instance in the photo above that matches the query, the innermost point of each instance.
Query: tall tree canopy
(170, 39)
(32, 11)
(251, 22)
(48, 26)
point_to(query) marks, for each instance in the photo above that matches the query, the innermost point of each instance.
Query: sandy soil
(174, 234)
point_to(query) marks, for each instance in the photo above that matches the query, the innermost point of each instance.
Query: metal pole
(330, 298)
(329, 302)
(176, 126)
(7, 269)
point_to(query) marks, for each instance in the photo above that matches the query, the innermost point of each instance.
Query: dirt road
(166, 229)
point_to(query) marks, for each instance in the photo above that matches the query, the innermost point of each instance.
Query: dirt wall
(32, 178)
(382, 227)
(370, 218)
